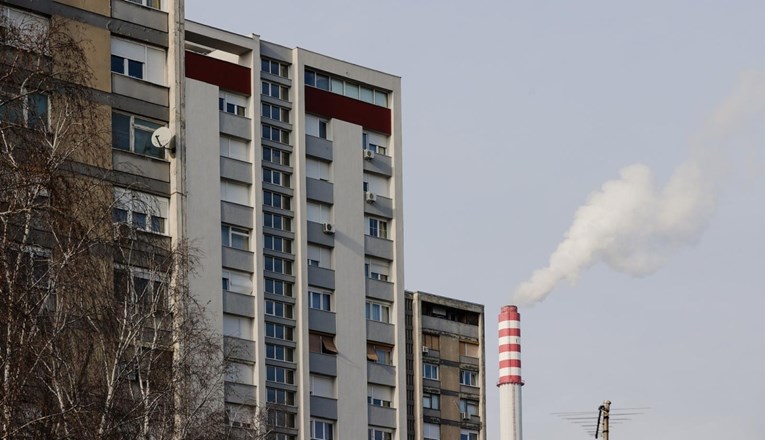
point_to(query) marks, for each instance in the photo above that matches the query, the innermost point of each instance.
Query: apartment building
(446, 378)
(293, 175)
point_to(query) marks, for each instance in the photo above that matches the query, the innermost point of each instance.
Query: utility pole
(604, 412)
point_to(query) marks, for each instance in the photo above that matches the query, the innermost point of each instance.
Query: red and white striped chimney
(510, 381)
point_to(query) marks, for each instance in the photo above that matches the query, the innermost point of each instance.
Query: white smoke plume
(632, 223)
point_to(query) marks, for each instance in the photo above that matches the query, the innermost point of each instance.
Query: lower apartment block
(445, 368)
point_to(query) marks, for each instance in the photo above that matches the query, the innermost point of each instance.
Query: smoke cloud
(633, 224)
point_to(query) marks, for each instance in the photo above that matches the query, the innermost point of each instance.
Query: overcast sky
(514, 112)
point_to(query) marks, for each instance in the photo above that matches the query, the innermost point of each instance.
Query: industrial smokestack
(510, 381)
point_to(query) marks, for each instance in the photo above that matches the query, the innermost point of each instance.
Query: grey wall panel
(142, 90)
(130, 12)
(380, 165)
(320, 277)
(323, 364)
(384, 417)
(132, 105)
(241, 349)
(235, 170)
(319, 190)
(324, 407)
(317, 235)
(321, 321)
(238, 259)
(238, 304)
(378, 247)
(456, 328)
(383, 207)
(318, 147)
(236, 126)
(381, 332)
(241, 393)
(381, 374)
(237, 215)
(140, 165)
(380, 289)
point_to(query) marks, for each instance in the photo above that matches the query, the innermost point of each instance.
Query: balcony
(378, 247)
(381, 374)
(235, 170)
(239, 349)
(319, 190)
(324, 407)
(381, 164)
(323, 364)
(381, 416)
(241, 394)
(321, 321)
(238, 259)
(139, 89)
(237, 126)
(318, 147)
(321, 277)
(381, 332)
(236, 214)
(379, 289)
(382, 207)
(453, 327)
(238, 304)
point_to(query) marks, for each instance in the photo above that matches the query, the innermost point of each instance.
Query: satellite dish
(161, 137)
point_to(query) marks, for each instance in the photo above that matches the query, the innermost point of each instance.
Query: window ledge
(142, 156)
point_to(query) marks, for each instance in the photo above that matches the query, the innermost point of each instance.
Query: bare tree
(100, 337)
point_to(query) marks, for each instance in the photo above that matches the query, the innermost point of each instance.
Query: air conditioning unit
(425, 350)
(465, 416)
(328, 228)
(370, 197)
(369, 154)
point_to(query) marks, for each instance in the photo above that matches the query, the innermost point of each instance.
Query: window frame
(274, 134)
(269, 154)
(267, 110)
(278, 309)
(276, 200)
(267, 88)
(277, 265)
(324, 300)
(377, 227)
(146, 125)
(138, 203)
(469, 378)
(228, 232)
(270, 219)
(383, 313)
(430, 371)
(282, 69)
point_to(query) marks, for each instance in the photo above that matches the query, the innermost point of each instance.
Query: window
(279, 396)
(322, 386)
(138, 61)
(279, 331)
(281, 419)
(279, 352)
(275, 112)
(239, 373)
(234, 237)
(379, 434)
(321, 430)
(237, 326)
(377, 269)
(29, 29)
(234, 149)
(276, 221)
(278, 157)
(27, 109)
(150, 3)
(378, 311)
(377, 227)
(319, 300)
(319, 256)
(321, 343)
(274, 90)
(379, 395)
(238, 282)
(374, 142)
(376, 184)
(431, 431)
(276, 200)
(469, 350)
(280, 374)
(317, 169)
(278, 309)
(469, 378)
(276, 177)
(239, 416)
(275, 134)
(133, 285)
(132, 133)
(430, 341)
(469, 406)
(273, 67)
(278, 287)
(431, 401)
(278, 265)
(232, 103)
(315, 126)
(275, 243)
(319, 212)
(349, 89)
(140, 210)
(380, 354)
(468, 435)
(430, 371)
(234, 192)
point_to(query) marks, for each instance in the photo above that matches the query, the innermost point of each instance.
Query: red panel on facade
(331, 105)
(227, 76)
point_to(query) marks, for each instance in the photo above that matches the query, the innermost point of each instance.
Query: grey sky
(513, 113)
